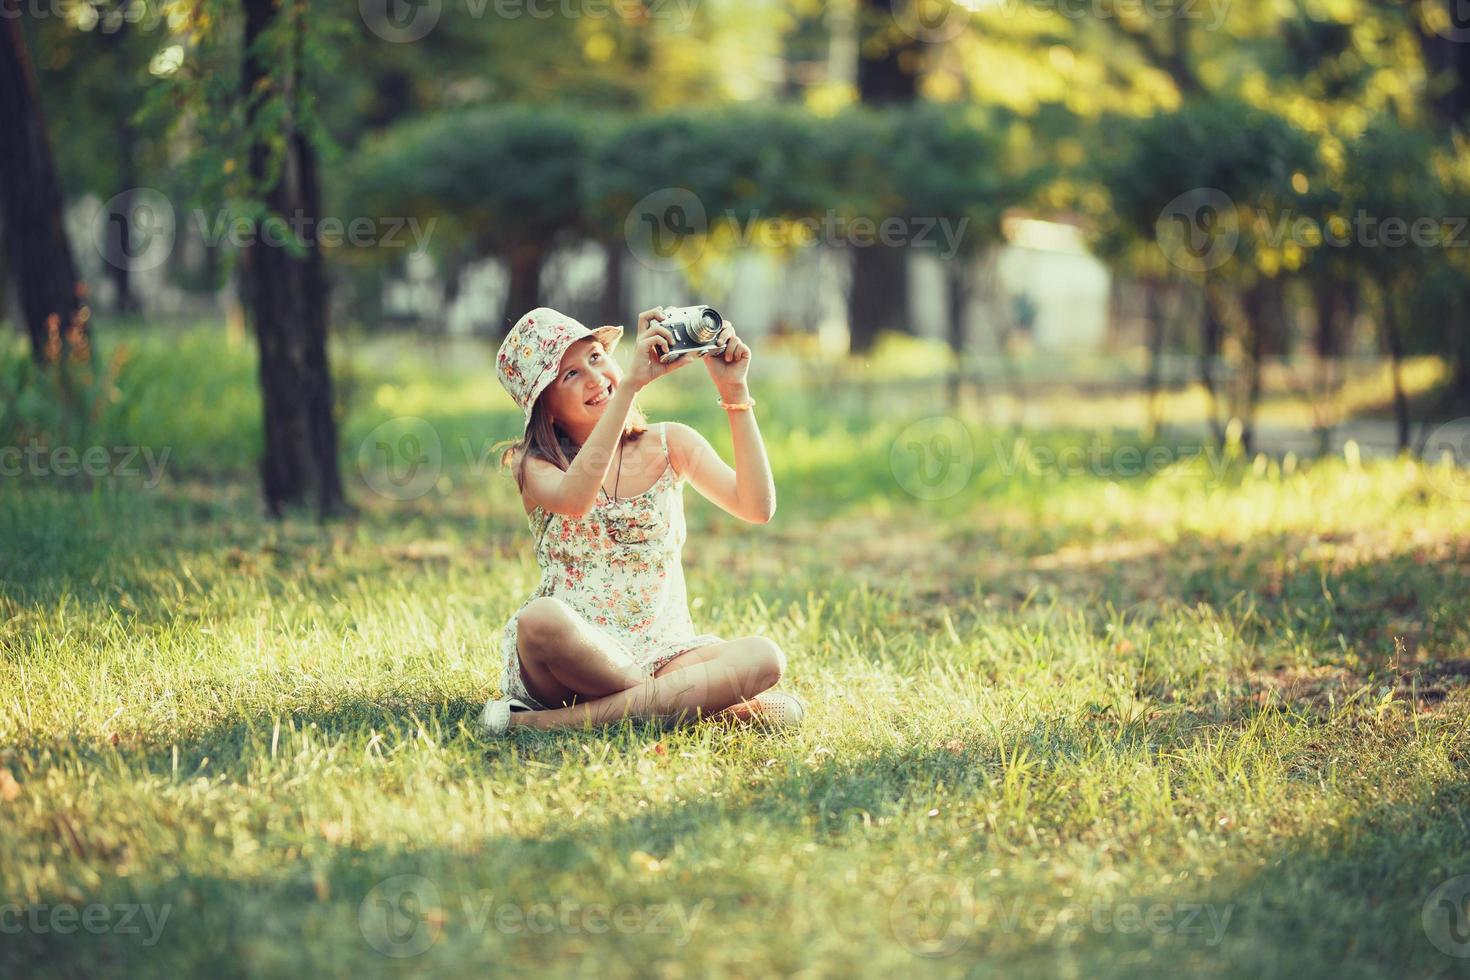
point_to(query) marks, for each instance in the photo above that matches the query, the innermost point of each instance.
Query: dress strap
(663, 438)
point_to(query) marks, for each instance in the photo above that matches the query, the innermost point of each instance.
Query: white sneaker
(495, 719)
(780, 711)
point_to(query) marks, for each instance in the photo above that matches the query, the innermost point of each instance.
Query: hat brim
(609, 336)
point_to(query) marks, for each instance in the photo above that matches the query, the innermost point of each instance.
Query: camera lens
(709, 325)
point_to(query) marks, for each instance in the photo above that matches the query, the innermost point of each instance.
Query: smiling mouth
(601, 398)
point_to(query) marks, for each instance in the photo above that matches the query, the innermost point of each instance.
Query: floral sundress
(619, 567)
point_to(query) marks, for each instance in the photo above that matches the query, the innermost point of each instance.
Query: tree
(52, 298)
(1442, 39)
(285, 295)
(244, 92)
(1215, 186)
(92, 79)
(496, 182)
(887, 75)
(1389, 174)
(951, 164)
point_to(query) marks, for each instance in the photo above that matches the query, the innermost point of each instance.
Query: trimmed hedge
(496, 177)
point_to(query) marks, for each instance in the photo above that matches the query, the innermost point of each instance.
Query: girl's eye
(595, 354)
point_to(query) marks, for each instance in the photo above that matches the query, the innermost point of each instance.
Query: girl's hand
(654, 340)
(729, 369)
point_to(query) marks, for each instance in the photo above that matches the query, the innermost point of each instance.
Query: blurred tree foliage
(563, 175)
(519, 132)
(1216, 186)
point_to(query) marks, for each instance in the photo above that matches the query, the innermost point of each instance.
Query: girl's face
(586, 382)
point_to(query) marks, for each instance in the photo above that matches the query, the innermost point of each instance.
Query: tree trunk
(211, 266)
(958, 280)
(285, 299)
(888, 59)
(452, 266)
(119, 244)
(887, 74)
(391, 98)
(1262, 305)
(1212, 334)
(1327, 299)
(1455, 401)
(1459, 393)
(1157, 326)
(525, 262)
(878, 297)
(1447, 58)
(613, 304)
(1394, 342)
(52, 299)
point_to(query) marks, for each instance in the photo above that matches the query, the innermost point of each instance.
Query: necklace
(617, 479)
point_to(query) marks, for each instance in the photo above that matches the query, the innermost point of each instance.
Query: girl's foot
(495, 719)
(772, 710)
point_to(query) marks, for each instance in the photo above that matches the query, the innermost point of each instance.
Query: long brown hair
(546, 440)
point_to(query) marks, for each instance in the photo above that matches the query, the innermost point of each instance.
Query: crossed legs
(565, 661)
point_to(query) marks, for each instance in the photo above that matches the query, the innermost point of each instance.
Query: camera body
(694, 329)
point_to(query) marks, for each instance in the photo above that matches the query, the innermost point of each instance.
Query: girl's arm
(573, 492)
(747, 491)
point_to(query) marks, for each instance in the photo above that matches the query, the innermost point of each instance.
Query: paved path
(1376, 439)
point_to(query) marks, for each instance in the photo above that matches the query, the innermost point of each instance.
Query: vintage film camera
(694, 329)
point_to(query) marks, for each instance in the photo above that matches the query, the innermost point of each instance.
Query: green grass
(1209, 719)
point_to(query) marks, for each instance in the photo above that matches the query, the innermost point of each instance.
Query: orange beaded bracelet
(744, 406)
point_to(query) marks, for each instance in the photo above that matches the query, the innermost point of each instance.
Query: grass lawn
(1079, 706)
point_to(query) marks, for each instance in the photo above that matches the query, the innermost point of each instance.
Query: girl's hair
(546, 440)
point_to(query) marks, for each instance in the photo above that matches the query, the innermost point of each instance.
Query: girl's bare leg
(564, 659)
(727, 674)
(741, 710)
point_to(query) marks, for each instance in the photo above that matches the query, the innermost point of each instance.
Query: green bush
(497, 177)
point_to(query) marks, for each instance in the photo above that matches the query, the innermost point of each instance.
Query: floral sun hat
(531, 353)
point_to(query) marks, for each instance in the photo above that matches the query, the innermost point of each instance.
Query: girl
(607, 634)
